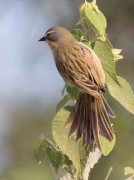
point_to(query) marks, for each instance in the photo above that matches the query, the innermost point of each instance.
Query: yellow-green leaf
(104, 51)
(106, 146)
(123, 93)
(128, 170)
(74, 150)
(91, 16)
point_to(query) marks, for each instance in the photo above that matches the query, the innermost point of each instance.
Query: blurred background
(30, 86)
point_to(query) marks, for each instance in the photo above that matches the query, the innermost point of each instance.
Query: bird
(79, 65)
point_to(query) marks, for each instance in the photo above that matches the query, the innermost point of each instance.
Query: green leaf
(69, 108)
(40, 154)
(91, 16)
(128, 171)
(86, 42)
(45, 148)
(72, 91)
(54, 155)
(77, 33)
(63, 90)
(74, 150)
(62, 102)
(67, 162)
(37, 145)
(106, 146)
(55, 158)
(122, 93)
(104, 51)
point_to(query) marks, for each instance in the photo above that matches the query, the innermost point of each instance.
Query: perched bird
(79, 65)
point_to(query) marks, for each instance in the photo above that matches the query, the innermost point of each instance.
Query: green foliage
(77, 34)
(123, 93)
(106, 146)
(86, 42)
(104, 51)
(117, 86)
(92, 17)
(74, 150)
(46, 149)
(72, 91)
(69, 108)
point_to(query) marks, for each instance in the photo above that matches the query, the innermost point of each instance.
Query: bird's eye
(48, 36)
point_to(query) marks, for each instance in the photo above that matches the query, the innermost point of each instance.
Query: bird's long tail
(90, 118)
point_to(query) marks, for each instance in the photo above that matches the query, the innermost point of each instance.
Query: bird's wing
(87, 85)
(78, 66)
(94, 66)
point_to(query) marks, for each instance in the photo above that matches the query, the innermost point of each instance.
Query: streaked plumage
(79, 65)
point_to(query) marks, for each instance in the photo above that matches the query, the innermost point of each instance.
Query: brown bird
(79, 65)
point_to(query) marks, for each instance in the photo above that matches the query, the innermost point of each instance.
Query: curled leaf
(128, 171)
(116, 53)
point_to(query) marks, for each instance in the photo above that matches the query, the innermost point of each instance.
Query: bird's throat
(53, 45)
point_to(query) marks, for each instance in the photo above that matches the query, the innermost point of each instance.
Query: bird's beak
(43, 38)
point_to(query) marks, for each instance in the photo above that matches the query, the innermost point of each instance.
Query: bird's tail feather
(90, 118)
(108, 109)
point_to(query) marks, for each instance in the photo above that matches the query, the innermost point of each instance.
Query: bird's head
(56, 35)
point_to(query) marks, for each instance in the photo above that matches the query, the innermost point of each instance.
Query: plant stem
(130, 178)
(92, 160)
(69, 170)
(109, 172)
